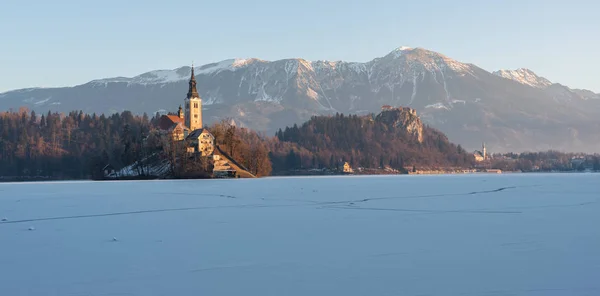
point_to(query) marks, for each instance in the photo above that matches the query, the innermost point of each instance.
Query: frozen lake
(395, 235)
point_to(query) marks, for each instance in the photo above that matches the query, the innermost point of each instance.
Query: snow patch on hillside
(158, 169)
(41, 102)
(437, 106)
(398, 52)
(177, 75)
(524, 76)
(226, 65)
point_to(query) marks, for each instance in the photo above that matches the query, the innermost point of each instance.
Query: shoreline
(148, 178)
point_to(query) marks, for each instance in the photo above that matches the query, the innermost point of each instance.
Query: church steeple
(483, 150)
(192, 91)
(193, 106)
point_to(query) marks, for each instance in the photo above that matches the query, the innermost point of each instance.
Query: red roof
(167, 122)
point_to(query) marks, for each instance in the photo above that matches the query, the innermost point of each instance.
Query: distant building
(348, 168)
(481, 155)
(390, 108)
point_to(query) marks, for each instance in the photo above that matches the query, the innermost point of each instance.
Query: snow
(158, 169)
(358, 67)
(398, 52)
(160, 76)
(263, 96)
(414, 89)
(211, 99)
(398, 235)
(524, 76)
(437, 106)
(41, 102)
(176, 75)
(226, 65)
(291, 68)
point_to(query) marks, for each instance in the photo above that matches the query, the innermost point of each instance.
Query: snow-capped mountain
(555, 90)
(509, 110)
(524, 76)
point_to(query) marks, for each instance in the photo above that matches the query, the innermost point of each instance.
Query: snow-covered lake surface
(396, 235)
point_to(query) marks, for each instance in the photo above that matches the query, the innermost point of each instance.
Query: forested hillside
(367, 141)
(63, 146)
(78, 145)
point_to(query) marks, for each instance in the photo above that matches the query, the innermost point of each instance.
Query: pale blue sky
(69, 42)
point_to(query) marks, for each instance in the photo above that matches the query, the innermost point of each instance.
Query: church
(187, 126)
(481, 155)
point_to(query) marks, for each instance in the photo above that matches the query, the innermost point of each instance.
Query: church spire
(192, 92)
(483, 150)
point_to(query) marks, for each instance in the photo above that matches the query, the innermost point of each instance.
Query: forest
(329, 141)
(63, 146)
(79, 145)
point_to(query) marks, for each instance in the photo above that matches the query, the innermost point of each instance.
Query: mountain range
(509, 110)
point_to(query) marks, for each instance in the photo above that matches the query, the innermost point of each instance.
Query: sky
(70, 42)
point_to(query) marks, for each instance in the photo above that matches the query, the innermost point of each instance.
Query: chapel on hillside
(186, 126)
(481, 155)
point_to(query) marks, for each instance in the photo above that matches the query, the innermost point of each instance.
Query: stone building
(201, 141)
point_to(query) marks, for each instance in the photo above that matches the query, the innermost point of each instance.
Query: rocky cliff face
(405, 118)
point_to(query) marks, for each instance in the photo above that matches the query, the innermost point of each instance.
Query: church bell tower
(193, 106)
(483, 151)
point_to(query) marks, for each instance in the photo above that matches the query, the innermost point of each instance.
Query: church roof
(195, 134)
(192, 91)
(168, 122)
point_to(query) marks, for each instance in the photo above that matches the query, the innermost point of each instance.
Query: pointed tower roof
(192, 91)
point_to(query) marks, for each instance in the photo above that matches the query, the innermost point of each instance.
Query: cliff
(402, 117)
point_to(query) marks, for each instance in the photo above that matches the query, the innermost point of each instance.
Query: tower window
(195, 105)
(195, 115)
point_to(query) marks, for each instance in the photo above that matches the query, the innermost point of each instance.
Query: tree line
(62, 146)
(78, 146)
(545, 161)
